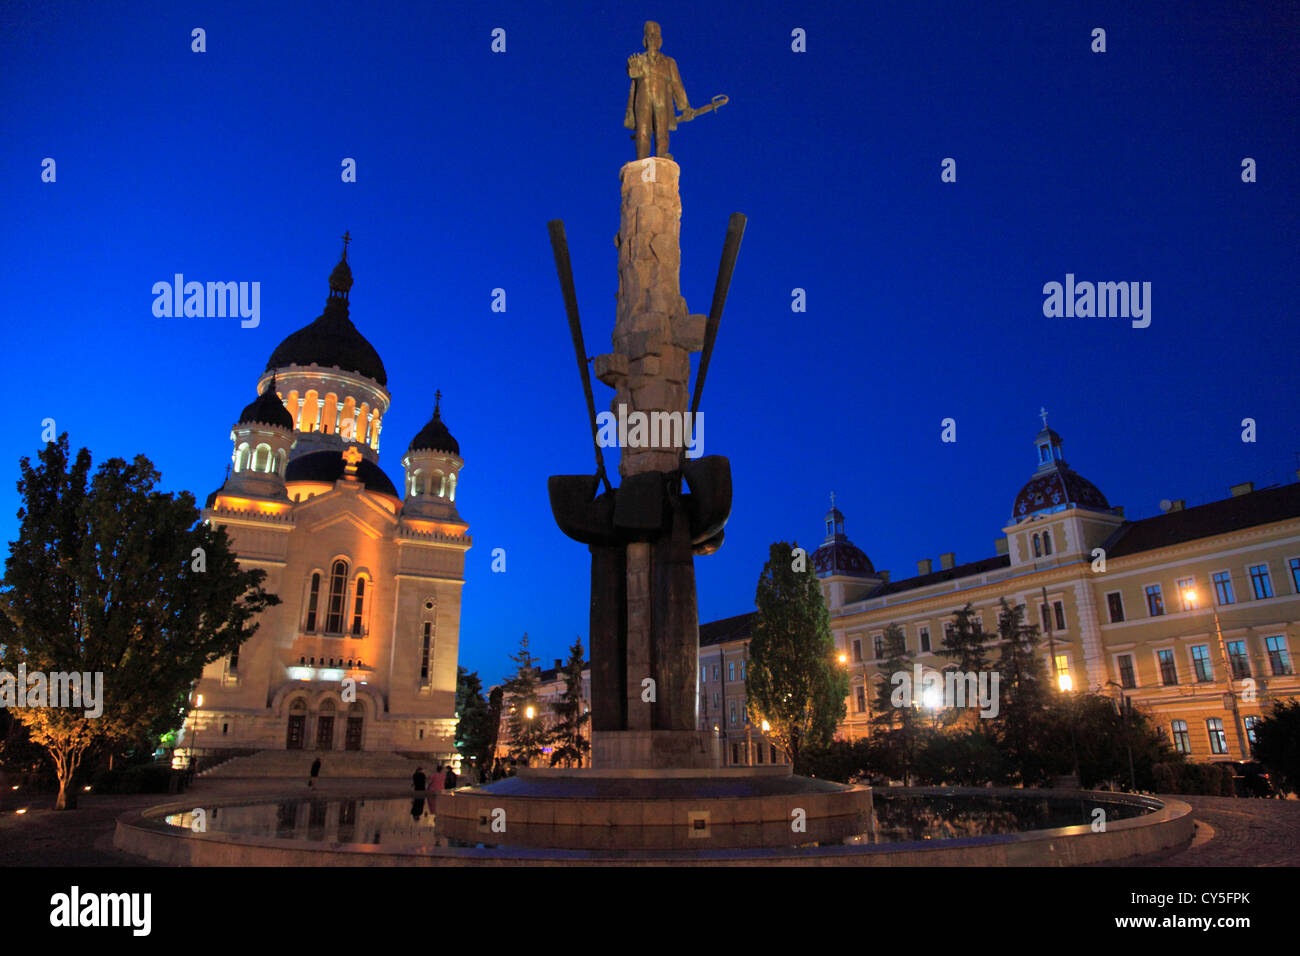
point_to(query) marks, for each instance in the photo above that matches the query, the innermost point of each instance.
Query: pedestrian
(418, 779)
(435, 782)
(449, 782)
(315, 772)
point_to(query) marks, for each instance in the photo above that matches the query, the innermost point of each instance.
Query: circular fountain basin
(935, 826)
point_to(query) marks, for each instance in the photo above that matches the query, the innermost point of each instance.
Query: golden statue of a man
(656, 89)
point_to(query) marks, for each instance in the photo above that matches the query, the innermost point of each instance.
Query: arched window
(280, 459)
(313, 601)
(426, 640)
(442, 483)
(241, 457)
(452, 484)
(1047, 542)
(417, 483)
(1038, 548)
(338, 589)
(359, 608)
(262, 457)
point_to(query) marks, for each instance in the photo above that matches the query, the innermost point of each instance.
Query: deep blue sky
(924, 298)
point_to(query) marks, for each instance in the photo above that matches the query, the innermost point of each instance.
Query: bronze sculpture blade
(730, 251)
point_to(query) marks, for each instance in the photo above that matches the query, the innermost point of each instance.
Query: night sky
(924, 298)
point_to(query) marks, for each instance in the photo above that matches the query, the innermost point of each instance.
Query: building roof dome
(267, 409)
(434, 436)
(1055, 486)
(837, 554)
(332, 340)
(328, 466)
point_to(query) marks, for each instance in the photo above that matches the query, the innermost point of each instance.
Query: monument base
(656, 810)
(655, 750)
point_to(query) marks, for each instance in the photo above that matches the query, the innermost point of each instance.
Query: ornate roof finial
(1042, 413)
(347, 237)
(437, 403)
(832, 501)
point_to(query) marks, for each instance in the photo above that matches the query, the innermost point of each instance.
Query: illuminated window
(417, 483)
(338, 588)
(1218, 739)
(262, 458)
(1295, 574)
(1252, 724)
(1182, 739)
(731, 714)
(359, 609)
(1185, 586)
(312, 600)
(241, 457)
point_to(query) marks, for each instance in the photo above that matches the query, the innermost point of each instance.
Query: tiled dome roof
(1058, 489)
(267, 409)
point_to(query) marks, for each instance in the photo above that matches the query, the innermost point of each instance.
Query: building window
(313, 599)
(1184, 586)
(731, 670)
(924, 633)
(1237, 657)
(1295, 574)
(715, 671)
(715, 698)
(1127, 679)
(735, 754)
(241, 458)
(1182, 739)
(1062, 670)
(1053, 620)
(1279, 661)
(878, 646)
(774, 758)
(338, 588)
(731, 713)
(1201, 663)
(426, 644)
(1168, 669)
(1252, 724)
(1058, 608)
(359, 609)
(1155, 601)
(860, 696)
(704, 673)
(1218, 739)
(1223, 587)
(857, 649)
(1115, 604)
(1047, 542)
(949, 629)
(1261, 582)
(742, 670)
(1038, 548)
(233, 666)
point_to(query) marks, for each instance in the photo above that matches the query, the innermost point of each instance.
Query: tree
(496, 698)
(964, 645)
(472, 730)
(1277, 744)
(567, 738)
(897, 706)
(1023, 696)
(793, 682)
(109, 576)
(524, 721)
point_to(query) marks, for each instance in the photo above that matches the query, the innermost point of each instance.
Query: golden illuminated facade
(361, 652)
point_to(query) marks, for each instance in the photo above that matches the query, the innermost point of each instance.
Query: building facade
(361, 652)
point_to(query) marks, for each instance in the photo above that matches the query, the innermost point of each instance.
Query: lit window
(1201, 663)
(1295, 574)
(1278, 658)
(1252, 724)
(1261, 582)
(1223, 587)
(1185, 587)
(338, 587)
(731, 715)
(1155, 601)
(312, 600)
(1182, 739)
(731, 670)
(359, 609)
(1218, 739)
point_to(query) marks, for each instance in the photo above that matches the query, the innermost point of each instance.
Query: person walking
(436, 781)
(418, 779)
(450, 780)
(315, 772)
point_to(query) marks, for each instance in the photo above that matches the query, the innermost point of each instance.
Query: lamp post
(1124, 705)
(1189, 596)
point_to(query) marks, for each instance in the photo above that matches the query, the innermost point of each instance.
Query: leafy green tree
(472, 730)
(1093, 726)
(570, 745)
(110, 576)
(1277, 744)
(793, 682)
(524, 720)
(897, 706)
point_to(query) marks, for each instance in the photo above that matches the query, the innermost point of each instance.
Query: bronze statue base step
(739, 807)
(655, 750)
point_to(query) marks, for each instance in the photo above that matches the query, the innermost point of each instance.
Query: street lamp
(194, 743)
(1190, 598)
(1064, 681)
(1124, 705)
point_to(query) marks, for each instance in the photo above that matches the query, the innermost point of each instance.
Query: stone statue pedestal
(655, 750)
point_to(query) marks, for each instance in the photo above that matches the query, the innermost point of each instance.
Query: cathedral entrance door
(353, 739)
(297, 730)
(324, 733)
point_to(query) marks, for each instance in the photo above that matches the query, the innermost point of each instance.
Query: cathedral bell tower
(262, 437)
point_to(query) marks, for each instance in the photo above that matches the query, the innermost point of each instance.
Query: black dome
(1058, 489)
(434, 437)
(267, 409)
(332, 340)
(327, 466)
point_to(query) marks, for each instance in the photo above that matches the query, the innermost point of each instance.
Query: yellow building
(1162, 609)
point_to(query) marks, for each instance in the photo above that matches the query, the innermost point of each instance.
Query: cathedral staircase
(296, 764)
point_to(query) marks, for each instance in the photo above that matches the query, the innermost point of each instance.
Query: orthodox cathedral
(369, 577)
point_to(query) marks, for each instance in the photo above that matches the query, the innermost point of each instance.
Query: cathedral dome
(1055, 486)
(332, 340)
(434, 436)
(839, 555)
(328, 466)
(267, 409)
